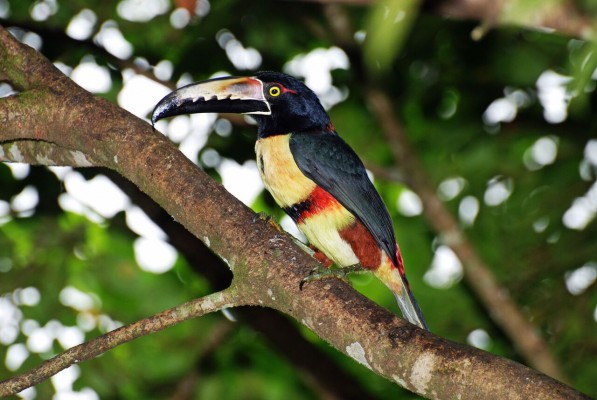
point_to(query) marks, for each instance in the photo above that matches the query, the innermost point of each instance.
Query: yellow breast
(288, 186)
(279, 171)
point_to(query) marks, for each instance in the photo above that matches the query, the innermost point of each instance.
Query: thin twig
(93, 348)
(267, 265)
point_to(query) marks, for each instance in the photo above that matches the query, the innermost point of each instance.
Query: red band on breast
(318, 201)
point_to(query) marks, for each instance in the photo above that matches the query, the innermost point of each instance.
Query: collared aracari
(310, 171)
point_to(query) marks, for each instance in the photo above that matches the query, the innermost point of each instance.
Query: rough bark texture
(53, 112)
(319, 369)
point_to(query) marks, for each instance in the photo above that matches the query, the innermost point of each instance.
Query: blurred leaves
(388, 26)
(583, 63)
(442, 83)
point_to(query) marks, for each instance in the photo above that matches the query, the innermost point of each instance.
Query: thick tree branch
(37, 152)
(266, 264)
(93, 348)
(317, 367)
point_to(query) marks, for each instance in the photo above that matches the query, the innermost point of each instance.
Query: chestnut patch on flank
(363, 245)
(401, 265)
(322, 258)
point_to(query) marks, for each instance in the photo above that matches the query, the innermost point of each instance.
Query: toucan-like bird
(310, 171)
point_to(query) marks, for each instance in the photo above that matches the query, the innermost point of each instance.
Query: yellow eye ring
(274, 91)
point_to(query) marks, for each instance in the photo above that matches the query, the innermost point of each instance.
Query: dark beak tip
(159, 112)
(154, 118)
(239, 96)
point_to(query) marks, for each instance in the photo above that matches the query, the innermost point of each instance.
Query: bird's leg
(325, 271)
(261, 216)
(319, 256)
(320, 272)
(307, 249)
(270, 220)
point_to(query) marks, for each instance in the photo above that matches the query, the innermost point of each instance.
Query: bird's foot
(303, 246)
(322, 272)
(261, 216)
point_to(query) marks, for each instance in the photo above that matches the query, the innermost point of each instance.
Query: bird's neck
(269, 127)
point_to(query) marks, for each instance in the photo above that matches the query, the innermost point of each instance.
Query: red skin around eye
(286, 90)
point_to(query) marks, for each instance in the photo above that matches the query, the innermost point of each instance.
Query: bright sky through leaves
(324, 67)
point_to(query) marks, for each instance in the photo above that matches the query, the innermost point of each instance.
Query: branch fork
(59, 123)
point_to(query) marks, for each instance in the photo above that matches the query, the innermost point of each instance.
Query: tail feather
(395, 278)
(410, 308)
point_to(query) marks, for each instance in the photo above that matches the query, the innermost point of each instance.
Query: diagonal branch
(36, 152)
(95, 347)
(317, 367)
(267, 266)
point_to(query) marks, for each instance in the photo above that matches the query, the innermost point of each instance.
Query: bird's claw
(268, 219)
(319, 273)
(261, 216)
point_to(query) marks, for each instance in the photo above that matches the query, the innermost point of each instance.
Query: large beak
(229, 95)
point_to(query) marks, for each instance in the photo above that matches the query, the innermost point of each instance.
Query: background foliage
(482, 115)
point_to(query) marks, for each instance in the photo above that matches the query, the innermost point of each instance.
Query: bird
(311, 173)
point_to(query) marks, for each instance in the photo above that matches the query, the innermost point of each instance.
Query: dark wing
(327, 160)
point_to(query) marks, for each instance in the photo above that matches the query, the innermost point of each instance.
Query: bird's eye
(274, 91)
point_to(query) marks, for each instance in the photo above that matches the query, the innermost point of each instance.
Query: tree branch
(36, 152)
(95, 347)
(478, 275)
(266, 264)
(317, 367)
(562, 16)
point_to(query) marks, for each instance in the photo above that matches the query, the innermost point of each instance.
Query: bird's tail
(395, 278)
(410, 308)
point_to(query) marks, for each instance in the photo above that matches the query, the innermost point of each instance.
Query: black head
(279, 103)
(294, 107)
